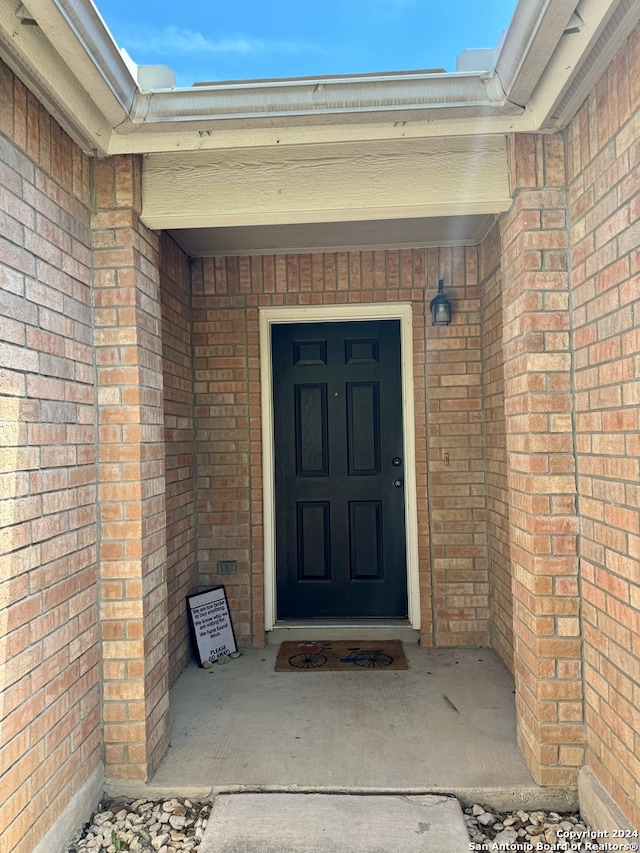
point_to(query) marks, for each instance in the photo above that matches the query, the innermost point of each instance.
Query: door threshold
(343, 629)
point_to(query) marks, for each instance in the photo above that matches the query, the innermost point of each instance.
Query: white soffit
(335, 236)
(596, 32)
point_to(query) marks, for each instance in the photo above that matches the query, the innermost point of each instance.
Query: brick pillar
(541, 462)
(133, 583)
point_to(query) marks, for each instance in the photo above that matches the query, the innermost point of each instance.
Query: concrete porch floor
(447, 724)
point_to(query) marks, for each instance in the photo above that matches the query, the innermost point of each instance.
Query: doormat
(341, 656)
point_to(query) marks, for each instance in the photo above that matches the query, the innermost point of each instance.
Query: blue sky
(207, 40)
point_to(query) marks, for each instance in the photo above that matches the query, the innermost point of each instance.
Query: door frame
(326, 314)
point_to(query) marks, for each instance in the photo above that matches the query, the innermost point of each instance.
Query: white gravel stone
(486, 819)
(527, 829)
(142, 826)
(506, 837)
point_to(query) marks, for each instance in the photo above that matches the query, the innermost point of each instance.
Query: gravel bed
(177, 825)
(144, 826)
(525, 830)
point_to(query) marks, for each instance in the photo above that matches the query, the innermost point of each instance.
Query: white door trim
(335, 313)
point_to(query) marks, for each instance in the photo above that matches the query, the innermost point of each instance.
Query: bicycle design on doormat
(317, 655)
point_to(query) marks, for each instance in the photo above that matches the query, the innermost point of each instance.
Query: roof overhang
(545, 66)
(537, 78)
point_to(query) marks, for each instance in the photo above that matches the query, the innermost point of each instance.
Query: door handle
(397, 483)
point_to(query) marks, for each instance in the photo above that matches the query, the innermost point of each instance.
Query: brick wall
(229, 509)
(541, 461)
(179, 437)
(227, 294)
(495, 448)
(457, 500)
(131, 483)
(49, 695)
(604, 194)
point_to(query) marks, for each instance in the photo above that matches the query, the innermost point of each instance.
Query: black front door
(339, 470)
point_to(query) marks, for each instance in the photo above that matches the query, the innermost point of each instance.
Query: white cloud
(170, 41)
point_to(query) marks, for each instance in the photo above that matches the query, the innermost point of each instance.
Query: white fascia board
(298, 133)
(533, 35)
(35, 62)
(72, 65)
(76, 29)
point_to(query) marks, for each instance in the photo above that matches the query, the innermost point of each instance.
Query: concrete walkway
(319, 823)
(447, 724)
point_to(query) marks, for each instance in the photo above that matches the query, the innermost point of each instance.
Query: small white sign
(211, 622)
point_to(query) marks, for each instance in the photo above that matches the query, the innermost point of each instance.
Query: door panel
(312, 457)
(314, 541)
(340, 531)
(365, 536)
(363, 428)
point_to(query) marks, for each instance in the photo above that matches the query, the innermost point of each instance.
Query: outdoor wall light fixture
(440, 307)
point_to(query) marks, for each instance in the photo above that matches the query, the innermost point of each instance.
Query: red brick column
(131, 503)
(541, 462)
